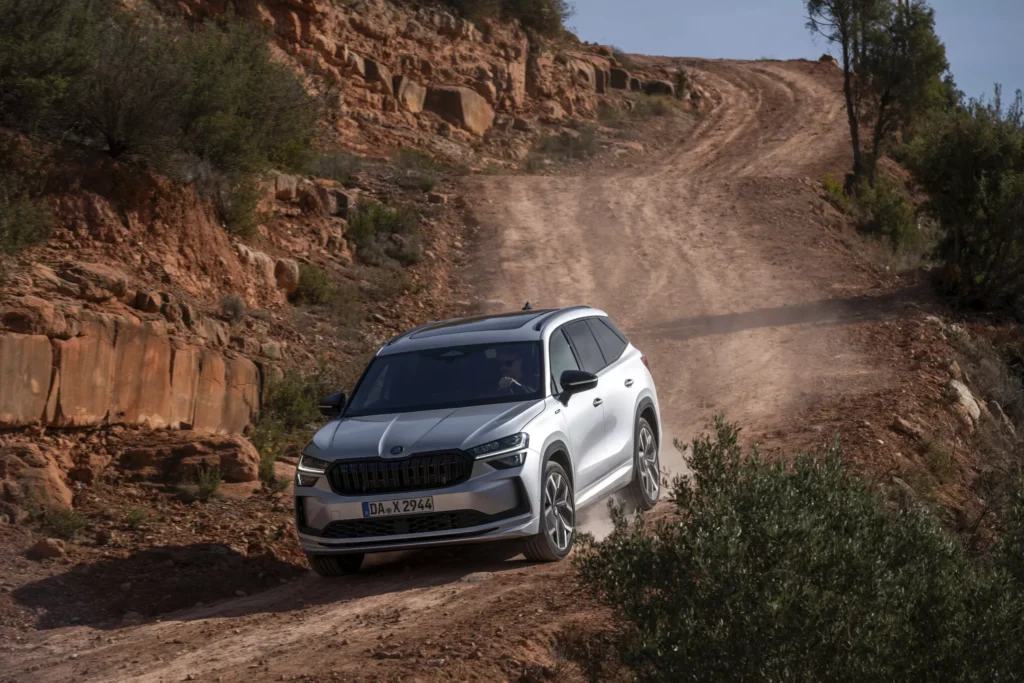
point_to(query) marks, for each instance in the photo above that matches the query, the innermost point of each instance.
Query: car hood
(423, 431)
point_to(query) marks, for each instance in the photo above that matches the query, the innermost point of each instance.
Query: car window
(449, 377)
(586, 346)
(611, 344)
(562, 359)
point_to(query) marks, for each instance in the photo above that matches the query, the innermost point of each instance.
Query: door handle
(597, 402)
(629, 382)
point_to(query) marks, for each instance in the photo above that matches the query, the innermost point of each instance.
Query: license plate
(405, 506)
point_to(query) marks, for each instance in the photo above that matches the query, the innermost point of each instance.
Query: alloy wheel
(559, 516)
(647, 461)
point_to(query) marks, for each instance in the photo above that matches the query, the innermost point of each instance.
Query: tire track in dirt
(712, 261)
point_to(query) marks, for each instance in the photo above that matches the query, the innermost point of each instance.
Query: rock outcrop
(180, 460)
(461, 106)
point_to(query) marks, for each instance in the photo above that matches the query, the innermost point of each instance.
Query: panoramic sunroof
(491, 323)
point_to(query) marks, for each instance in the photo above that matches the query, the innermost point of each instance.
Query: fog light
(508, 461)
(302, 479)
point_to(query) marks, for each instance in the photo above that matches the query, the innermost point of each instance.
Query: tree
(971, 162)
(902, 65)
(893, 64)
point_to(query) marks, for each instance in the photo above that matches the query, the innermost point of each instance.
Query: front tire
(335, 565)
(557, 518)
(644, 490)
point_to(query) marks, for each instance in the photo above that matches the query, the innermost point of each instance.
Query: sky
(984, 38)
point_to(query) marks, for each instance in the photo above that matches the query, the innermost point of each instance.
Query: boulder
(148, 302)
(409, 93)
(46, 549)
(619, 78)
(375, 72)
(656, 87)
(286, 275)
(33, 315)
(26, 366)
(355, 64)
(964, 402)
(286, 187)
(179, 460)
(32, 477)
(95, 282)
(461, 106)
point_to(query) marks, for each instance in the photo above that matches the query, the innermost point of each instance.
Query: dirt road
(713, 260)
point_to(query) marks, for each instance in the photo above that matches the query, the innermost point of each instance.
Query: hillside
(143, 343)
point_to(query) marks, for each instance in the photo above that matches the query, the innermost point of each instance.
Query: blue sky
(984, 38)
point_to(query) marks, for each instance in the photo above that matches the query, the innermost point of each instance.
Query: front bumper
(492, 505)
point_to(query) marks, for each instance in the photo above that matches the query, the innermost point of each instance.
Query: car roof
(530, 325)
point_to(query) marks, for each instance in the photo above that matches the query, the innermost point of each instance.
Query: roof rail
(544, 318)
(415, 329)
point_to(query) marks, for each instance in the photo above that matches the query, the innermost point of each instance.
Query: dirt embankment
(714, 259)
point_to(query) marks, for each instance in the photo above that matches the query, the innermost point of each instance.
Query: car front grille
(414, 524)
(415, 473)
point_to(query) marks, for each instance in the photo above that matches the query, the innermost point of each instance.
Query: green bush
(237, 203)
(64, 523)
(836, 194)
(971, 162)
(314, 286)
(547, 17)
(682, 82)
(648, 106)
(23, 222)
(136, 517)
(380, 231)
(884, 210)
(208, 480)
(801, 572)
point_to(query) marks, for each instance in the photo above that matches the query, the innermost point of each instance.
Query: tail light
(643, 359)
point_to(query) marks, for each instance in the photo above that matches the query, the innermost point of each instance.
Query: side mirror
(577, 381)
(332, 406)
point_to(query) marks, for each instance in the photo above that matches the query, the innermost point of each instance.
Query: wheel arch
(558, 451)
(647, 409)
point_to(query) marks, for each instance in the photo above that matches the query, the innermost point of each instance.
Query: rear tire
(557, 517)
(643, 492)
(335, 565)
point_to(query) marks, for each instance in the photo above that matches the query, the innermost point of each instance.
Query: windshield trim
(539, 394)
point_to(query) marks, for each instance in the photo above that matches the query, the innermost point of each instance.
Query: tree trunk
(851, 112)
(876, 143)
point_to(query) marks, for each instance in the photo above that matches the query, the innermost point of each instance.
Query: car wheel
(557, 519)
(335, 565)
(645, 488)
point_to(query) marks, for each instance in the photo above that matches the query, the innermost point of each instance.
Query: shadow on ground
(185, 583)
(823, 313)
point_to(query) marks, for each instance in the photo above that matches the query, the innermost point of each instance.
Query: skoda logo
(396, 450)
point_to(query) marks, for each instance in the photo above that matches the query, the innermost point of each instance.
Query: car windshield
(449, 377)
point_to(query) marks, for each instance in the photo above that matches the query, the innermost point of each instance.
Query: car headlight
(499, 446)
(310, 467)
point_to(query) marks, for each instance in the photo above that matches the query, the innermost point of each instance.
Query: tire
(554, 542)
(335, 565)
(641, 494)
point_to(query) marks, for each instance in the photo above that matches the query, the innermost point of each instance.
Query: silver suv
(480, 429)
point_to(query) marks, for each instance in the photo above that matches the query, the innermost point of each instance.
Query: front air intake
(415, 473)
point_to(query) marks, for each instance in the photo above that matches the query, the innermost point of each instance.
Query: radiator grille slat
(437, 470)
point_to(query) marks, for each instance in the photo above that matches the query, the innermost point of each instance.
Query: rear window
(611, 343)
(586, 346)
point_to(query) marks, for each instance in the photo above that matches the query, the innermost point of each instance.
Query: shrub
(23, 222)
(971, 162)
(336, 166)
(648, 106)
(800, 572)
(547, 17)
(314, 285)
(379, 231)
(622, 58)
(836, 194)
(419, 169)
(232, 309)
(208, 480)
(64, 523)
(884, 210)
(136, 517)
(682, 82)
(237, 202)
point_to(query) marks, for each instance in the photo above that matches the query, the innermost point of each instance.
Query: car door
(593, 461)
(620, 390)
(584, 414)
